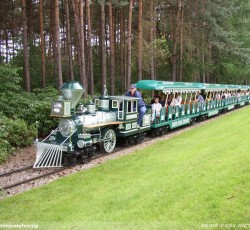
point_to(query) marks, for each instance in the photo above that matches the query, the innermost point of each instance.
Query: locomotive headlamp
(60, 108)
(66, 127)
(57, 107)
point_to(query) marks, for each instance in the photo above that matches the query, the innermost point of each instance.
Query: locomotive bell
(72, 90)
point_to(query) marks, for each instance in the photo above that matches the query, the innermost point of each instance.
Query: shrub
(19, 133)
(31, 107)
(5, 146)
(14, 133)
(19, 112)
(9, 79)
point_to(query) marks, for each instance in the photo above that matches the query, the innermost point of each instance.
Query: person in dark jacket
(141, 104)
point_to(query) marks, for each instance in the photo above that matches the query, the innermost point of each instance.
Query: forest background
(113, 43)
(118, 42)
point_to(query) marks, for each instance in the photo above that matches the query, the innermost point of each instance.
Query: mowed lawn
(199, 177)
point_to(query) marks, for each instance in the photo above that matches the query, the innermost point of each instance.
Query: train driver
(141, 104)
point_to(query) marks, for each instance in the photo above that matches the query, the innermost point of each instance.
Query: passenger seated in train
(209, 97)
(225, 95)
(179, 98)
(217, 96)
(169, 99)
(200, 99)
(163, 99)
(176, 100)
(156, 94)
(156, 108)
(238, 95)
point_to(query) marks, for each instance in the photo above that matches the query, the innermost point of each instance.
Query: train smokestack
(72, 90)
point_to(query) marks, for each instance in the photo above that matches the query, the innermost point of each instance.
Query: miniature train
(109, 118)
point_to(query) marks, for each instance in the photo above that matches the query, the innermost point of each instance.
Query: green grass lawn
(201, 176)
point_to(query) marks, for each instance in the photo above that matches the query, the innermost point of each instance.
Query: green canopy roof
(168, 86)
(214, 87)
(243, 87)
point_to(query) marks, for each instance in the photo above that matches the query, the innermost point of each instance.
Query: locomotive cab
(127, 112)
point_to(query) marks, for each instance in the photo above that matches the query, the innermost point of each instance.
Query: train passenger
(209, 96)
(217, 96)
(200, 99)
(132, 92)
(238, 95)
(156, 94)
(163, 99)
(169, 99)
(179, 98)
(176, 100)
(225, 95)
(156, 108)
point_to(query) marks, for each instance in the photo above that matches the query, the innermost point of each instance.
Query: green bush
(5, 147)
(20, 111)
(9, 79)
(31, 107)
(19, 133)
(13, 134)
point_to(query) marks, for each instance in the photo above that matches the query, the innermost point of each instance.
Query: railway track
(30, 167)
(16, 170)
(29, 179)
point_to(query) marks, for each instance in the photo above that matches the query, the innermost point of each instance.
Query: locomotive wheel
(109, 142)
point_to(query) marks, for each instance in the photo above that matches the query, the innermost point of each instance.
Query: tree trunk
(181, 41)
(203, 45)
(197, 77)
(25, 48)
(122, 52)
(90, 56)
(139, 48)
(112, 50)
(42, 42)
(129, 43)
(58, 49)
(69, 49)
(152, 27)
(103, 49)
(78, 15)
(175, 41)
(51, 29)
(78, 40)
(209, 80)
(83, 77)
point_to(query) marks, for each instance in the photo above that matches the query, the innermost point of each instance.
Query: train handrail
(55, 130)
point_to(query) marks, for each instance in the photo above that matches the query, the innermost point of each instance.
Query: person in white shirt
(156, 108)
(176, 100)
(225, 95)
(238, 95)
(179, 98)
(217, 97)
